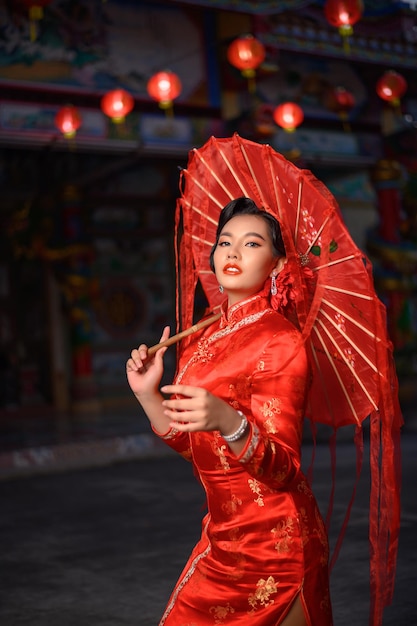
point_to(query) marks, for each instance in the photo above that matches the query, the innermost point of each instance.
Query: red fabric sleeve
(273, 452)
(180, 442)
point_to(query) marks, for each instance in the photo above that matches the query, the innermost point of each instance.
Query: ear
(279, 266)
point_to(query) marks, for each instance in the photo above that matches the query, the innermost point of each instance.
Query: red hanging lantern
(246, 53)
(391, 87)
(264, 120)
(164, 87)
(35, 14)
(68, 121)
(341, 101)
(289, 116)
(117, 104)
(343, 14)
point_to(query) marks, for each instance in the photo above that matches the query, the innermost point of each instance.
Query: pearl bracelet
(238, 434)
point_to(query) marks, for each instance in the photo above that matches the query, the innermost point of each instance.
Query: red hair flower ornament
(287, 294)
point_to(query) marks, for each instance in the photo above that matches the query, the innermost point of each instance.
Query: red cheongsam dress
(263, 541)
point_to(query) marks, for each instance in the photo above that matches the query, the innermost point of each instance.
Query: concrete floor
(103, 546)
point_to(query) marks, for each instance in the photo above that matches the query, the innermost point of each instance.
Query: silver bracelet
(238, 434)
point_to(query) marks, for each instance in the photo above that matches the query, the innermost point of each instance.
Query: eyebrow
(250, 234)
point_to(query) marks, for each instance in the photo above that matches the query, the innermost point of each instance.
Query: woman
(236, 412)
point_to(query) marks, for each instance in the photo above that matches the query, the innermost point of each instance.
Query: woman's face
(244, 257)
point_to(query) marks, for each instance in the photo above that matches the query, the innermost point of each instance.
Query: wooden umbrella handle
(188, 331)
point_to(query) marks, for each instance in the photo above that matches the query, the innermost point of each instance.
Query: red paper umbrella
(340, 315)
(164, 87)
(68, 120)
(391, 87)
(246, 53)
(117, 104)
(341, 319)
(289, 116)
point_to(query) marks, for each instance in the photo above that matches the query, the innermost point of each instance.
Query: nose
(231, 253)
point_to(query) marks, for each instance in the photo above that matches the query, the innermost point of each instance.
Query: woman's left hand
(198, 409)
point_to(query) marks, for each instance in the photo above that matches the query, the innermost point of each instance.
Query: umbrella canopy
(341, 319)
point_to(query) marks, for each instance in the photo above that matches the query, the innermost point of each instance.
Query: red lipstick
(232, 268)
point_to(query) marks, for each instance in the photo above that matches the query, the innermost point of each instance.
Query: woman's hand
(144, 375)
(198, 409)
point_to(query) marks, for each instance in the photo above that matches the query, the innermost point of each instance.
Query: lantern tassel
(35, 14)
(251, 85)
(33, 30)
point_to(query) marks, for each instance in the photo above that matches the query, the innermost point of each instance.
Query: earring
(221, 288)
(274, 290)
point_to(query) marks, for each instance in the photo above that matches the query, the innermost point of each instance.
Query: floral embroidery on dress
(304, 488)
(325, 603)
(263, 593)
(256, 488)
(271, 408)
(241, 387)
(271, 426)
(235, 534)
(283, 535)
(220, 451)
(236, 537)
(305, 537)
(232, 505)
(221, 612)
(203, 352)
(281, 475)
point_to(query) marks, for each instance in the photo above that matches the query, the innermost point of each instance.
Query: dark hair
(246, 206)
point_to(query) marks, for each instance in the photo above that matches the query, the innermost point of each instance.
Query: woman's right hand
(144, 374)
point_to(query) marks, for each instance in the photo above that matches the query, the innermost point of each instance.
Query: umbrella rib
(273, 177)
(207, 243)
(358, 380)
(335, 262)
(351, 319)
(350, 342)
(347, 292)
(194, 208)
(317, 236)
(212, 173)
(297, 215)
(248, 163)
(235, 176)
(352, 408)
(206, 191)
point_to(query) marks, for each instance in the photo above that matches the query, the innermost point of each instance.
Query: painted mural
(94, 46)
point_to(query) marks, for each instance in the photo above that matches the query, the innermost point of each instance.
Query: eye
(253, 244)
(223, 243)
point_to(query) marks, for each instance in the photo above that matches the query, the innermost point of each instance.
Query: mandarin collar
(232, 315)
